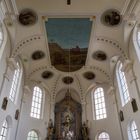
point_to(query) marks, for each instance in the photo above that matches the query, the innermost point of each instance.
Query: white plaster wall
(133, 81)
(5, 85)
(28, 123)
(109, 124)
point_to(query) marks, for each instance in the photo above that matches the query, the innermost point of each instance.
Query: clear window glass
(15, 82)
(36, 103)
(103, 136)
(4, 131)
(133, 134)
(124, 93)
(99, 103)
(1, 35)
(138, 38)
(32, 135)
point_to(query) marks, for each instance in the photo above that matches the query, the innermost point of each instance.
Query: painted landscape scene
(68, 40)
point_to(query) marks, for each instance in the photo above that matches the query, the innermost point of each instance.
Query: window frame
(4, 130)
(122, 84)
(133, 132)
(2, 35)
(99, 104)
(15, 83)
(36, 100)
(136, 41)
(29, 137)
(4, 38)
(108, 138)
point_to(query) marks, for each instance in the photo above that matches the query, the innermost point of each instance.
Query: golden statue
(50, 130)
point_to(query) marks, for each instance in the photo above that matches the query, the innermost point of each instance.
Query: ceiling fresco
(68, 40)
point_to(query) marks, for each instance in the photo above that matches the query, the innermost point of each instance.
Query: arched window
(99, 103)
(133, 132)
(136, 39)
(124, 93)
(1, 35)
(32, 135)
(103, 136)
(4, 131)
(36, 103)
(15, 82)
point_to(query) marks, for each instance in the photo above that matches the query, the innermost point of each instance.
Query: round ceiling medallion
(47, 74)
(38, 55)
(27, 17)
(99, 55)
(111, 17)
(89, 75)
(67, 80)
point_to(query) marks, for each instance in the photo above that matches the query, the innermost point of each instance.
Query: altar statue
(85, 131)
(50, 130)
(68, 120)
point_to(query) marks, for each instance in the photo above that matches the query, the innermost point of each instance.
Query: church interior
(69, 70)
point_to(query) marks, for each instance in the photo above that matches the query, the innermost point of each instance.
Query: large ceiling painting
(68, 40)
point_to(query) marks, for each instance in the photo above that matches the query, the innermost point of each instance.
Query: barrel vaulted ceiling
(45, 45)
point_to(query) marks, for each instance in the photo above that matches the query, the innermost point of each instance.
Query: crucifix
(68, 2)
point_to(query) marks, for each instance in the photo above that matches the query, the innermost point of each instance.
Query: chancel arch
(61, 94)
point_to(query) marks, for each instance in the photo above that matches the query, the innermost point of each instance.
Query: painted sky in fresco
(69, 32)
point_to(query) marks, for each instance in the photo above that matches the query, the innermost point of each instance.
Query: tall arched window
(4, 131)
(99, 103)
(15, 83)
(1, 35)
(124, 93)
(36, 103)
(32, 135)
(136, 39)
(133, 132)
(103, 136)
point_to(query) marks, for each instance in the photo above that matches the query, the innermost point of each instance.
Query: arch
(24, 43)
(9, 121)
(4, 130)
(98, 102)
(122, 84)
(33, 135)
(44, 87)
(136, 39)
(15, 83)
(112, 44)
(19, 60)
(1, 35)
(103, 136)
(10, 124)
(72, 91)
(37, 103)
(132, 131)
(90, 89)
(4, 40)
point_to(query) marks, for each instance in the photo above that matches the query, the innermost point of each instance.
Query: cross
(68, 2)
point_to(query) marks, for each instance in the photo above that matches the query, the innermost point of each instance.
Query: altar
(68, 119)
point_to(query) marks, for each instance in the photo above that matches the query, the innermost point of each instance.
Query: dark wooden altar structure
(68, 116)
